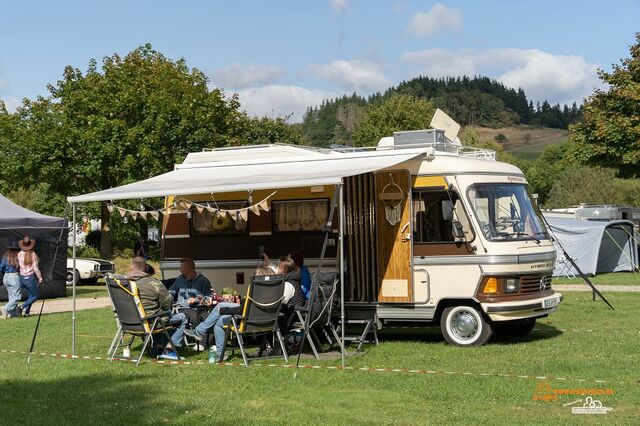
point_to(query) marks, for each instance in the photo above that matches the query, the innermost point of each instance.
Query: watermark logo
(591, 406)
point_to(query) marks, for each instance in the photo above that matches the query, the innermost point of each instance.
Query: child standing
(29, 270)
(9, 267)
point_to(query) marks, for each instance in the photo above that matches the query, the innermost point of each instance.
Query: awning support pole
(341, 242)
(73, 315)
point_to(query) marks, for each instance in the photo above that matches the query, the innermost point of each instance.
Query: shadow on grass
(540, 332)
(101, 398)
(432, 334)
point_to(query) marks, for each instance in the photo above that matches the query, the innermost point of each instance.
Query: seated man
(188, 289)
(156, 298)
(305, 276)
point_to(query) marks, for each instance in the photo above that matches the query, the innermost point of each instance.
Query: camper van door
(394, 230)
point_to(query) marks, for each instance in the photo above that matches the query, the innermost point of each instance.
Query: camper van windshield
(505, 212)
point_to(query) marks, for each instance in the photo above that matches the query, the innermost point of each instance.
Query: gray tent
(595, 246)
(50, 234)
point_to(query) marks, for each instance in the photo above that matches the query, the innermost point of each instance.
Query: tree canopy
(128, 119)
(609, 134)
(398, 112)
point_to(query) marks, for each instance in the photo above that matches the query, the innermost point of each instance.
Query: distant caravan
(432, 232)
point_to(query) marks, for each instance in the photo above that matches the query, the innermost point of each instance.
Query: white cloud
(237, 76)
(359, 75)
(542, 75)
(12, 104)
(339, 6)
(281, 100)
(439, 19)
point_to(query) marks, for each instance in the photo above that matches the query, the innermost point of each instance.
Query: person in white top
(29, 271)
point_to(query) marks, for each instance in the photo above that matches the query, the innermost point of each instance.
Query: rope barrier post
(73, 315)
(341, 242)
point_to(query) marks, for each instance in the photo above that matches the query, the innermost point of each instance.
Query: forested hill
(478, 101)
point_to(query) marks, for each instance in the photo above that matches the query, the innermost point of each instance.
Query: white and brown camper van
(433, 232)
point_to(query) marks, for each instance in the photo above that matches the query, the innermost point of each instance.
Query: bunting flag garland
(181, 205)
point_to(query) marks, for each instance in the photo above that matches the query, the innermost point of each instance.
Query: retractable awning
(317, 168)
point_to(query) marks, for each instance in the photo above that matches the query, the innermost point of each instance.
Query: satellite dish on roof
(442, 121)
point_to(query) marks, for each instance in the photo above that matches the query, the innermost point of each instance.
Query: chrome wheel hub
(464, 325)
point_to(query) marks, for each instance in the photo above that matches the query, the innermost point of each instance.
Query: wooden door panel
(393, 188)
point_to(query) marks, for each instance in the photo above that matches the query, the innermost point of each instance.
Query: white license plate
(550, 303)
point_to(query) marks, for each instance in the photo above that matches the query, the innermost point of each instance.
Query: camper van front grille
(533, 283)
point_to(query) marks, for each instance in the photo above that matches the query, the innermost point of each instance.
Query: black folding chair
(260, 313)
(131, 317)
(319, 317)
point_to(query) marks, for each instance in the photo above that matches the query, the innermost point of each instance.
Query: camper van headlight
(511, 285)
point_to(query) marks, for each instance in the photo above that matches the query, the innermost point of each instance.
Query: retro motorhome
(424, 230)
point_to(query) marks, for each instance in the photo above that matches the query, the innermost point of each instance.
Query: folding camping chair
(565, 267)
(131, 317)
(320, 320)
(260, 313)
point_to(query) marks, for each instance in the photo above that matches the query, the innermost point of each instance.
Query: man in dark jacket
(189, 289)
(156, 299)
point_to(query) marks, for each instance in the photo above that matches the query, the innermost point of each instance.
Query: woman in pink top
(29, 270)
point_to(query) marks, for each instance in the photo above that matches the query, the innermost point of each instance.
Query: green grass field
(618, 278)
(583, 343)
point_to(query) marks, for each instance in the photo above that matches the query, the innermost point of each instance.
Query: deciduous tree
(396, 113)
(132, 118)
(609, 134)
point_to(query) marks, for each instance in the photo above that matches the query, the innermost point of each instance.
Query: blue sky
(282, 56)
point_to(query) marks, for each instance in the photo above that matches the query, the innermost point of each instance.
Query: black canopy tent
(50, 234)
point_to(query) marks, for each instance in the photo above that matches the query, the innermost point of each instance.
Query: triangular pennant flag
(199, 208)
(143, 215)
(264, 205)
(255, 209)
(244, 214)
(231, 213)
(122, 211)
(133, 214)
(155, 215)
(110, 207)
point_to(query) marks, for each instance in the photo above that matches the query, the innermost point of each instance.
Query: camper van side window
(300, 215)
(206, 223)
(436, 212)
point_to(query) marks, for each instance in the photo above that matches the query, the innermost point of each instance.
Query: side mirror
(457, 230)
(447, 210)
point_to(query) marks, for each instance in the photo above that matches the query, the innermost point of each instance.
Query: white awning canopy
(314, 168)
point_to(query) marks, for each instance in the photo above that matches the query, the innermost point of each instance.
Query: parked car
(88, 270)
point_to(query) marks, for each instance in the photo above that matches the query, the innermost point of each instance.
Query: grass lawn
(582, 343)
(617, 278)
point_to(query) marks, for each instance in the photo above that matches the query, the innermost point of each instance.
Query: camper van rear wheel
(464, 326)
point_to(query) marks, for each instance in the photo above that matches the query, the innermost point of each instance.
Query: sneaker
(194, 335)
(223, 359)
(4, 315)
(200, 347)
(169, 355)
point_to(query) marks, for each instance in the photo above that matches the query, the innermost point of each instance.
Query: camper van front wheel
(464, 326)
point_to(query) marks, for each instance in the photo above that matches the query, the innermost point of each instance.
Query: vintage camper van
(432, 232)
